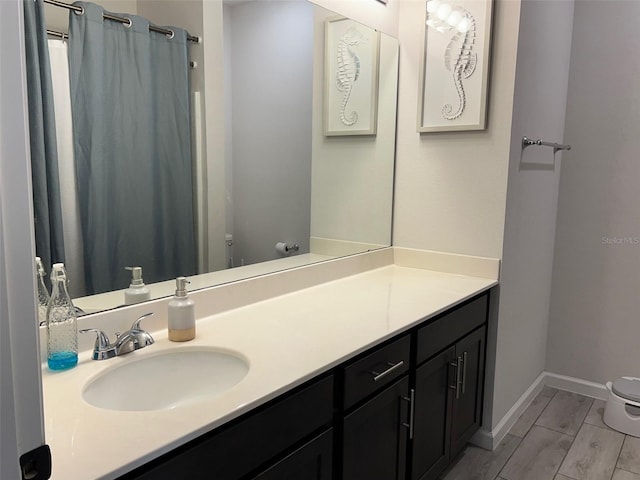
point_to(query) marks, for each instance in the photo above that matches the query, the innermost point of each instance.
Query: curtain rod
(65, 36)
(54, 33)
(80, 10)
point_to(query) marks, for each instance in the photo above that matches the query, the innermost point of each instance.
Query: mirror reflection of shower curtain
(131, 121)
(74, 261)
(42, 138)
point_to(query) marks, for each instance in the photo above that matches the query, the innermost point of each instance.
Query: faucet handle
(102, 348)
(136, 324)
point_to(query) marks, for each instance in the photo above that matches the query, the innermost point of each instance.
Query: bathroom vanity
(414, 400)
(374, 375)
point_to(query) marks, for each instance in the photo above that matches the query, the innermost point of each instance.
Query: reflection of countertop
(287, 340)
(108, 300)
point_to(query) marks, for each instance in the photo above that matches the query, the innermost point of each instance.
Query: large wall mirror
(265, 173)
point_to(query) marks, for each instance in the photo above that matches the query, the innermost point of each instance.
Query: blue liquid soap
(62, 360)
(62, 331)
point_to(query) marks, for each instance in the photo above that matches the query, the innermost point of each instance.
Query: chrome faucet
(133, 339)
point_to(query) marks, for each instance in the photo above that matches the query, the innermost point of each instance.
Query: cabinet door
(312, 461)
(467, 407)
(432, 416)
(375, 439)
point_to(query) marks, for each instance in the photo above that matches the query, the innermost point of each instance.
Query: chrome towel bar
(527, 142)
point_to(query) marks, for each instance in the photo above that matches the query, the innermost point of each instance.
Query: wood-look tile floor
(560, 436)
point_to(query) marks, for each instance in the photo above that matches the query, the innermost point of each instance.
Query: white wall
(594, 320)
(272, 61)
(542, 73)
(228, 119)
(352, 186)
(450, 188)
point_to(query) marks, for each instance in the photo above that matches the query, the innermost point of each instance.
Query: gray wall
(595, 307)
(542, 73)
(272, 60)
(21, 416)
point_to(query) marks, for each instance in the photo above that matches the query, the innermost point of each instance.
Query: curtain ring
(171, 35)
(81, 12)
(129, 22)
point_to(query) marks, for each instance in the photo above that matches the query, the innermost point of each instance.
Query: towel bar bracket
(527, 142)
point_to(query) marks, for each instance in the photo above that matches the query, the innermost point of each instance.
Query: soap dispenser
(62, 330)
(181, 315)
(137, 291)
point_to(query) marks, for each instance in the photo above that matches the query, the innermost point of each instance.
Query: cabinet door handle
(455, 384)
(458, 377)
(464, 371)
(412, 409)
(392, 367)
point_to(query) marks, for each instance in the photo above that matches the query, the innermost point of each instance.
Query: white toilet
(622, 411)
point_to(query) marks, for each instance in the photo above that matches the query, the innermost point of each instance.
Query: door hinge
(36, 464)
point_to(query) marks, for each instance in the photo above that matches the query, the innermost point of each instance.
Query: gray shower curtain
(131, 125)
(42, 137)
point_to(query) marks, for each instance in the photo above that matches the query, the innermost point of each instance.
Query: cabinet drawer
(240, 449)
(448, 329)
(312, 461)
(385, 364)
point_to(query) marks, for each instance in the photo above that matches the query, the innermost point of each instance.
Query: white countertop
(286, 339)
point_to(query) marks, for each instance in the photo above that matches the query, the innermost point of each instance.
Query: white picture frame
(350, 78)
(454, 66)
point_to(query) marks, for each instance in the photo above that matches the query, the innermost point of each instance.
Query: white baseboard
(489, 440)
(576, 385)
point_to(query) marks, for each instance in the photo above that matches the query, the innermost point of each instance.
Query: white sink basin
(167, 380)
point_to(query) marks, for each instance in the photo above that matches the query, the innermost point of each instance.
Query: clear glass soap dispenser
(43, 293)
(62, 329)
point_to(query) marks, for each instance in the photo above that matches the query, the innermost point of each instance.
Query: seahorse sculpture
(460, 58)
(348, 71)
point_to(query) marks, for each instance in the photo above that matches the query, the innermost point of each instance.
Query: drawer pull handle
(392, 367)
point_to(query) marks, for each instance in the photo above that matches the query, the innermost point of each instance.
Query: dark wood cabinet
(432, 417)
(401, 410)
(376, 369)
(251, 443)
(448, 388)
(375, 436)
(312, 461)
(466, 402)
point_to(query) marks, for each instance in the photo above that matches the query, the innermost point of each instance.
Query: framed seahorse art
(454, 70)
(350, 78)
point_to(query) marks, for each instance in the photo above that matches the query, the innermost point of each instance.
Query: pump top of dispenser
(58, 271)
(181, 286)
(40, 267)
(137, 291)
(136, 275)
